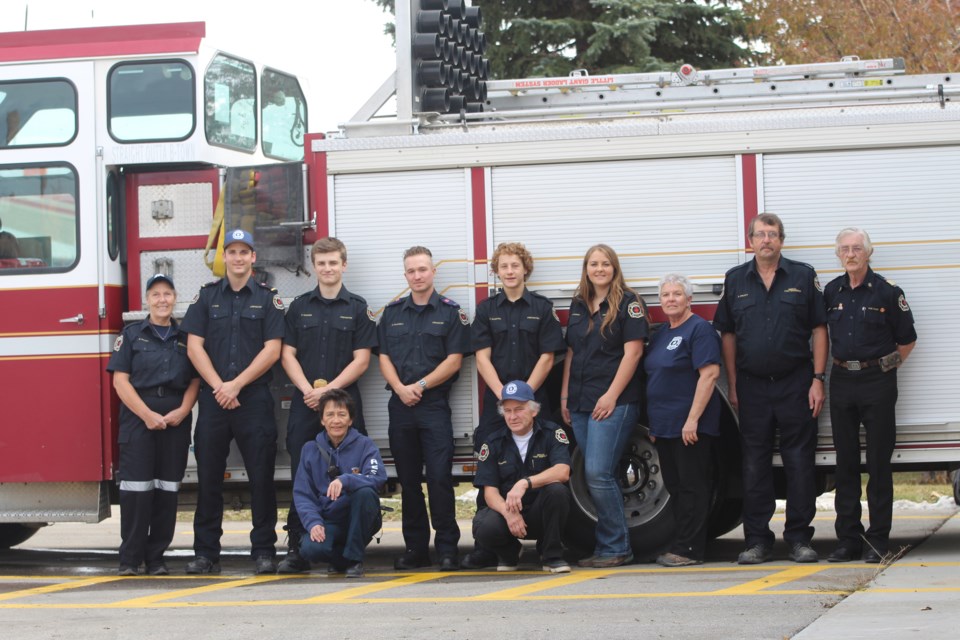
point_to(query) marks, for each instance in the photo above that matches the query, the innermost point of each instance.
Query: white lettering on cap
(238, 235)
(511, 389)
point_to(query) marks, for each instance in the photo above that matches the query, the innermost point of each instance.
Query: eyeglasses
(333, 472)
(856, 249)
(760, 235)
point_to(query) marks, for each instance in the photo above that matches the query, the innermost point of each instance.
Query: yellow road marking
(773, 580)
(516, 593)
(54, 588)
(347, 595)
(183, 593)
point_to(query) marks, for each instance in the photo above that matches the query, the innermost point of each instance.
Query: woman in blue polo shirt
(600, 396)
(683, 406)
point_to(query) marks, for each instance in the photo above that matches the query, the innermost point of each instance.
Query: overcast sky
(337, 45)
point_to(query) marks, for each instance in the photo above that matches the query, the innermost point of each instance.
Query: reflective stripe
(136, 485)
(166, 485)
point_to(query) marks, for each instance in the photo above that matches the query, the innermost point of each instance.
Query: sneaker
(355, 570)
(676, 560)
(293, 563)
(411, 560)
(127, 570)
(606, 562)
(757, 554)
(265, 564)
(202, 565)
(557, 565)
(478, 559)
(803, 552)
(157, 569)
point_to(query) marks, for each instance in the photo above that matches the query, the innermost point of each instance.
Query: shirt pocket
(251, 325)
(793, 304)
(434, 343)
(874, 317)
(341, 332)
(398, 339)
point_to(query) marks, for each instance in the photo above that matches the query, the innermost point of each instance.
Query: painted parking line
(773, 580)
(147, 601)
(70, 583)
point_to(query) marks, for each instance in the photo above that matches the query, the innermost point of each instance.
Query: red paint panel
(751, 207)
(479, 214)
(42, 310)
(101, 41)
(65, 443)
(173, 243)
(317, 177)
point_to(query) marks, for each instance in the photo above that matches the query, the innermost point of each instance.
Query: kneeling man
(522, 470)
(337, 489)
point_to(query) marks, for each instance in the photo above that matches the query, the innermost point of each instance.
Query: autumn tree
(923, 32)
(548, 38)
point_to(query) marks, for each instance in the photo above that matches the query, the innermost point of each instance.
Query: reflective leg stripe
(166, 485)
(136, 485)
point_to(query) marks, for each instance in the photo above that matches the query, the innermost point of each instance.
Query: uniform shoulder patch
(370, 315)
(816, 283)
(635, 309)
(902, 301)
(118, 342)
(484, 452)
(561, 436)
(464, 320)
(277, 302)
(554, 312)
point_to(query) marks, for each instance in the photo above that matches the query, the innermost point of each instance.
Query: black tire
(12, 534)
(646, 501)
(726, 505)
(956, 486)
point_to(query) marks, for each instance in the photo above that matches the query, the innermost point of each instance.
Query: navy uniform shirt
(499, 463)
(772, 327)
(596, 356)
(868, 322)
(235, 324)
(418, 338)
(326, 332)
(150, 360)
(518, 333)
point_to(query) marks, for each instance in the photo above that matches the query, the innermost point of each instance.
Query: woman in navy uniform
(683, 408)
(600, 396)
(158, 388)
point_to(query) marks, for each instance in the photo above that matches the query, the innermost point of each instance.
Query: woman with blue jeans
(601, 392)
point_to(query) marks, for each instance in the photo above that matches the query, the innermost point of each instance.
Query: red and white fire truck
(118, 143)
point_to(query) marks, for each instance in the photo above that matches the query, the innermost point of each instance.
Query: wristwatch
(422, 383)
(529, 483)
(820, 376)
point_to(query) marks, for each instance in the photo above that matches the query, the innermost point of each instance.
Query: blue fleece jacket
(360, 465)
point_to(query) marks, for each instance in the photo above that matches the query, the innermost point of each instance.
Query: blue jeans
(602, 443)
(346, 539)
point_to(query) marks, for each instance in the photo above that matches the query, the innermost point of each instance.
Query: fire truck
(121, 144)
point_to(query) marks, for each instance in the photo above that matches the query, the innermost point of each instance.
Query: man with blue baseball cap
(522, 471)
(236, 328)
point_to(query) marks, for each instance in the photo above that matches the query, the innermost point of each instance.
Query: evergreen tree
(530, 38)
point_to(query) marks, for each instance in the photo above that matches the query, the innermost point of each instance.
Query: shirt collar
(868, 280)
(433, 302)
(341, 295)
(250, 285)
(502, 299)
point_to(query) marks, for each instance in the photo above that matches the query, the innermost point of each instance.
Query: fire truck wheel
(645, 501)
(12, 534)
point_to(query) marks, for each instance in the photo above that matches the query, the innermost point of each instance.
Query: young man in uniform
(871, 332)
(770, 308)
(236, 329)
(423, 338)
(329, 336)
(522, 469)
(515, 336)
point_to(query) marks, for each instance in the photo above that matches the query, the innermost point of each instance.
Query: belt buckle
(159, 392)
(853, 365)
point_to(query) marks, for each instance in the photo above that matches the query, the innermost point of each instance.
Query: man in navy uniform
(871, 334)
(423, 338)
(522, 471)
(236, 329)
(329, 336)
(771, 306)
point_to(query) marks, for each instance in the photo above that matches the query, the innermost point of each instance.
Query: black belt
(773, 378)
(855, 365)
(159, 392)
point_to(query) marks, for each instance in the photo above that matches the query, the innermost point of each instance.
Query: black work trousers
(546, 518)
(688, 475)
(867, 397)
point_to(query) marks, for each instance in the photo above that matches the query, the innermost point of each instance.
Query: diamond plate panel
(54, 502)
(192, 209)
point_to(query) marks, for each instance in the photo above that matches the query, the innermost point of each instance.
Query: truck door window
(37, 113)
(283, 115)
(38, 216)
(150, 101)
(230, 103)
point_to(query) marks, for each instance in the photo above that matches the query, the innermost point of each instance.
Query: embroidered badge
(484, 452)
(463, 317)
(195, 298)
(555, 316)
(674, 343)
(816, 283)
(903, 303)
(371, 316)
(635, 310)
(119, 341)
(562, 436)
(277, 302)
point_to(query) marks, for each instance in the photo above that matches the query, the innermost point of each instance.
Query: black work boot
(293, 562)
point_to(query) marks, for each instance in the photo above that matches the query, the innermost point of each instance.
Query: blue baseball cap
(159, 277)
(517, 390)
(239, 235)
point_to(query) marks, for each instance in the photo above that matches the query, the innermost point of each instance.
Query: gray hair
(533, 405)
(849, 231)
(679, 280)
